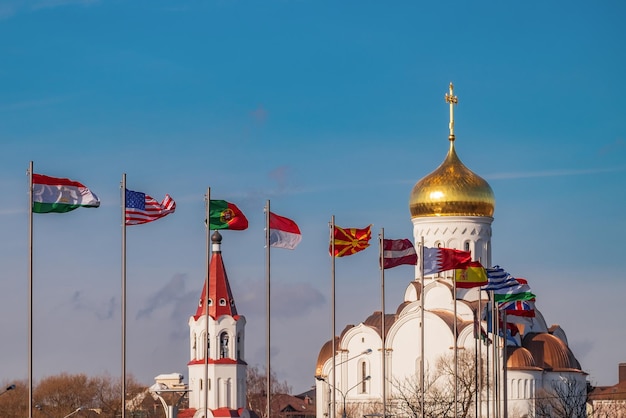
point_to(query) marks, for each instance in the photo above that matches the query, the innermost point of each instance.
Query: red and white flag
(284, 233)
(441, 259)
(397, 252)
(141, 208)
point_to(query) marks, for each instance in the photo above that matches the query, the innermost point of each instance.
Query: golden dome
(452, 190)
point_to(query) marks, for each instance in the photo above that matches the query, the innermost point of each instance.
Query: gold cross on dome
(452, 100)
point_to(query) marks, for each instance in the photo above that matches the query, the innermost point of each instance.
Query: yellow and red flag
(472, 276)
(349, 241)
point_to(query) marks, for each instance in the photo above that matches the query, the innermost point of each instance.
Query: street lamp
(343, 395)
(323, 379)
(8, 388)
(80, 408)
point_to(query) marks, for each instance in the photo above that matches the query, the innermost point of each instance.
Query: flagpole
(456, 354)
(381, 241)
(496, 373)
(423, 305)
(30, 290)
(207, 262)
(332, 296)
(123, 394)
(504, 372)
(479, 359)
(268, 307)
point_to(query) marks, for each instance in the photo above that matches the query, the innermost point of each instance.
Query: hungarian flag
(441, 259)
(141, 208)
(350, 241)
(52, 194)
(284, 233)
(226, 215)
(397, 252)
(472, 276)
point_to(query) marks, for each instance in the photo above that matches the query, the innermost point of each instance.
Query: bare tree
(14, 399)
(257, 393)
(439, 388)
(566, 398)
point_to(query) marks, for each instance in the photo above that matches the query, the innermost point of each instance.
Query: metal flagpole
(479, 359)
(496, 353)
(30, 290)
(487, 365)
(504, 373)
(456, 354)
(381, 241)
(332, 296)
(268, 383)
(207, 342)
(123, 395)
(477, 334)
(423, 304)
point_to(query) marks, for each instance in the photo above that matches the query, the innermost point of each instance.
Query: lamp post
(343, 395)
(323, 378)
(80, 408)
(8, 388)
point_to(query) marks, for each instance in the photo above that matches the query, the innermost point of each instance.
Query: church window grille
(223, 345)
(363, 373)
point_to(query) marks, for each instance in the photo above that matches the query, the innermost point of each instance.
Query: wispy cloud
(29, 104)
(11, 8)
(50, 4)
(297, 299)
(102, 311)
(552, 173)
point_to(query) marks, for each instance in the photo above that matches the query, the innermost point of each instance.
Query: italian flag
(52, 194)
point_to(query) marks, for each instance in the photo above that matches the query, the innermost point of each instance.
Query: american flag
(141, 208)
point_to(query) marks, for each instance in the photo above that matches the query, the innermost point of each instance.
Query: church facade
(381, 364)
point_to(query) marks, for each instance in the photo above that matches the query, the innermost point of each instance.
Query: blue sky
(325, 108)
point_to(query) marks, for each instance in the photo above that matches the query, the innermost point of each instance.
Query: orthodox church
(217, 367)
(381, 363)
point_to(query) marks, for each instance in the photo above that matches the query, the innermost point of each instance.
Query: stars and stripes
(141, 208)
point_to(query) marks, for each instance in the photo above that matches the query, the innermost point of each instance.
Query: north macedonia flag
(349, 241)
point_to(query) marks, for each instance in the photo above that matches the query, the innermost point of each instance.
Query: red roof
(220, 295)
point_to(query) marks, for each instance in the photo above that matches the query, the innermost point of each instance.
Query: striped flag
(505, 287)
(397, 252)
(60, 195)
(472, 276)
(141, 208)
(284, 233)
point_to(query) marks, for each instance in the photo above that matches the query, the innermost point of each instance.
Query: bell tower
(217, 367)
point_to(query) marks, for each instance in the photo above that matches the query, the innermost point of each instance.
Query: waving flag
(350, 241)
(505, 287)
(519, 308)
(60, 195)
(226, 215)
(441, 259)
(141, 208)
(284, 233)
(397, 252)
(472, 276)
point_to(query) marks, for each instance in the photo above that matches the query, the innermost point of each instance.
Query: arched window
(363, 373)
(224, 345)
